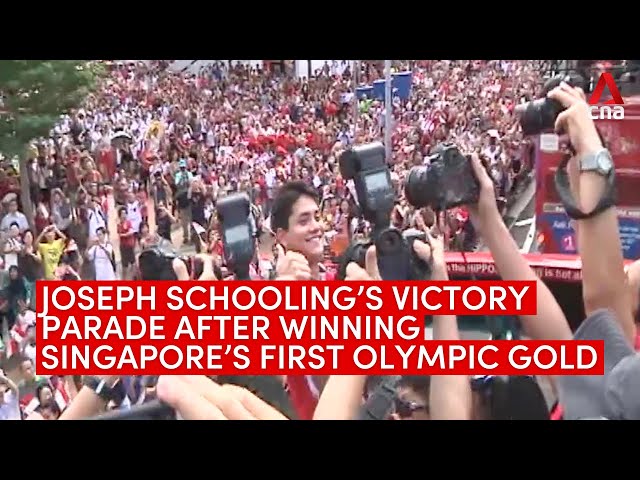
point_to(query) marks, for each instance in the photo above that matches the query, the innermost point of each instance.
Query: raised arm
(450, 395)
(603, 277)
(550, 322)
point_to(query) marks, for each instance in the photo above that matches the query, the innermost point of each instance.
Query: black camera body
(234, 213)
(540, 115)
(366, 166)
(446, 182)
(156, 263)
(397, 256)
(397, 260)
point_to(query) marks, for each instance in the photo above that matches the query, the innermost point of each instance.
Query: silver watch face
(605, 163)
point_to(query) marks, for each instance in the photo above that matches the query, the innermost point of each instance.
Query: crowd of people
(145, 159)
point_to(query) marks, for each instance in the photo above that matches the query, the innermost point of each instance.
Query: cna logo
(611, 109)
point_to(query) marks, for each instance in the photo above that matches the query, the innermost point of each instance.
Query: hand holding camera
(447, 181)
(356, 273)
(575, 120)
(424, 251)
(485, 210)
(434, 251)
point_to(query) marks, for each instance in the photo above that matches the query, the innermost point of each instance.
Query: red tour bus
(562, 273)
(554, 229)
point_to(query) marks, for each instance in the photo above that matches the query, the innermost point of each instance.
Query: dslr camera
(234, 213)
(366, 166)
(447, 181)
(540, 115)
(156, 262)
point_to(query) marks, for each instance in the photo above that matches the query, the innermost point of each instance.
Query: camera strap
(381, 402)
(563, 187)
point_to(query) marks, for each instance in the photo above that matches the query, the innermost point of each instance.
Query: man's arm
(603, 278)
(10, 383)
(87, 403)
(128, 233)
(450, 395)
(550, 322)
(61, 235)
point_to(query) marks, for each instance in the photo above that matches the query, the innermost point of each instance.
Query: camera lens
(539, 116)
(417, 189)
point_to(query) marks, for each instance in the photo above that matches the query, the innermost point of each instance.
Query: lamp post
(356, 102)
(388, 110)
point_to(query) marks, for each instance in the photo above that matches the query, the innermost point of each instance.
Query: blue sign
(630, 237)
(564, 237)
(363, 92)
(400, 86)
(378, 89)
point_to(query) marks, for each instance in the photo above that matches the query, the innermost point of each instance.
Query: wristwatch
(599, 162)
(103, 388)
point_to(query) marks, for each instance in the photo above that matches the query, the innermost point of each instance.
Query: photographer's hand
(87, 403)
(291, 266)
(199, 398)
(485, 212)
(433, 252)
(370, 272)
(208, 261)
(576, 120)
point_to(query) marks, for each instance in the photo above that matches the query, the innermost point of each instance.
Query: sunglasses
(405, 408)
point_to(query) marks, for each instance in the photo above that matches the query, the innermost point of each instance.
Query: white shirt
(134, 215)
(101, 256)
(11, 259)
(10, 409)
(29, 317)
(96, 220)
(270, 177)
(211, 139)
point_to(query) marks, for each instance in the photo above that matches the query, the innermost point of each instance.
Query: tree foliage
(34, 93)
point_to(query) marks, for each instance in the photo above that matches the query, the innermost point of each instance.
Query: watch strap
(563, 187)
(100, 387)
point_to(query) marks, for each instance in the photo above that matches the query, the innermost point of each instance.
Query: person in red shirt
(127, 242)
(331, 109)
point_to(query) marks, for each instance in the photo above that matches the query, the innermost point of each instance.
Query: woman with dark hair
(50, 410)
(508, 398)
